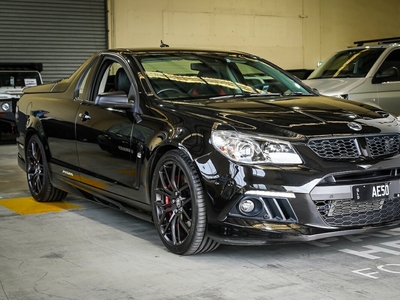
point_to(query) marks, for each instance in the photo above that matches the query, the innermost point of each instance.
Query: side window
(251, 75)
(113, 78)
(109, 77)
(84, 85)
(390, 69)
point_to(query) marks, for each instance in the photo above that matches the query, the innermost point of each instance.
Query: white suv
(369, 74)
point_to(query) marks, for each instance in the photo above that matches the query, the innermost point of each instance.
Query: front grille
(348, 213)
(348, 148)
(382, 145)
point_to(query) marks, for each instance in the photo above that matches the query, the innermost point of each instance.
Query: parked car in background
(14, 77)
(366, 73)
(300, 73)
(213, 147)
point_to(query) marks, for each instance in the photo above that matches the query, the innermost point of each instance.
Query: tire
(178, 205)
(37, 173)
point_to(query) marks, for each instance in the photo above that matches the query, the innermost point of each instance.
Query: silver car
(369, 74)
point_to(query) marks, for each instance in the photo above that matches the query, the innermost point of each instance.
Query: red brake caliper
(168, 200)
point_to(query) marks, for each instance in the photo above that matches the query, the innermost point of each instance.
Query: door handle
(85, 116)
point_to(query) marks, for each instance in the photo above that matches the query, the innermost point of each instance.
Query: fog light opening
(246, 206)
(249, 206)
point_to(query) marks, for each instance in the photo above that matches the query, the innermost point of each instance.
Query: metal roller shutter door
(60, 34)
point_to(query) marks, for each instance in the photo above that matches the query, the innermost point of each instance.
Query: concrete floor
(79, 250)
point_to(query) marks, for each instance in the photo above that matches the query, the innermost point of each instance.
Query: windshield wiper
(266, 95)
(232, 96)
(295, 94)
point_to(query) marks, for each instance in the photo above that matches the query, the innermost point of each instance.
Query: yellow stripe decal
(28, 206)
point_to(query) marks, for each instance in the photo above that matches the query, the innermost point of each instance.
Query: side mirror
(117, 100)
(389, 73)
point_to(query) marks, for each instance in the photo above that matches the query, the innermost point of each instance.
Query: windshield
(13, 79)
(190, 76)
(349, 63)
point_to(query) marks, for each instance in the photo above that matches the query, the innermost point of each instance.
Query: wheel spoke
(179, 227)
(37, 181)
(178, 179)
(173, 179)
(186, 201)
(184, 187)
(31, 158)
(174, 231)
(164, 193)
(35, 152)
(185, 214)
(165, 223)
(165, 213)
(163, 175)
(184, 227)
(163, 206)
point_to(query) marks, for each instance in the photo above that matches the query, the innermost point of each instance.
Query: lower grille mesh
(348, 213)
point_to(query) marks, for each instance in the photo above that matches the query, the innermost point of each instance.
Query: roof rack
(21, 66)
(379, 41)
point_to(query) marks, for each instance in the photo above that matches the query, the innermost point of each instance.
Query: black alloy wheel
(179, 209)
(37, 173)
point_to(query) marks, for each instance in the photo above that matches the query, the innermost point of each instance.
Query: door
(387, 81)
(103, 134)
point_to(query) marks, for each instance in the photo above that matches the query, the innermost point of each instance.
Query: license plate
(369, 192)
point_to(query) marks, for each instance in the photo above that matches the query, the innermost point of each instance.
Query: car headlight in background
(254, 149)
(342, 96)
(5, 106)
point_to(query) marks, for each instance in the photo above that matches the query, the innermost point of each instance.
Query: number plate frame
(371, 192)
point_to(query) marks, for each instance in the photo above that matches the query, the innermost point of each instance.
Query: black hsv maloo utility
(213, 147)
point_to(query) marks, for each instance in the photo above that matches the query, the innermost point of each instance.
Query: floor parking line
(28, 206)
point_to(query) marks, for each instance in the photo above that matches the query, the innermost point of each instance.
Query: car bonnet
(334, 86)
(294, 116)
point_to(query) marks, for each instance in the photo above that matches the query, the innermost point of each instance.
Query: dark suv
(14, 78)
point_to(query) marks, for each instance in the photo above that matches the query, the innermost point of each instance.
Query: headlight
(342, 96)
(5, 106)
(254, 149)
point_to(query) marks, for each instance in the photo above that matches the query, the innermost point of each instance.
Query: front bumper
(304, 219)
(324, 204)
(254, 234)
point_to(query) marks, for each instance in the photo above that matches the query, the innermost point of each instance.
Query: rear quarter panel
(51, 116)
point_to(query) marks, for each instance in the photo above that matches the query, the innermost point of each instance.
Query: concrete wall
(290, 33)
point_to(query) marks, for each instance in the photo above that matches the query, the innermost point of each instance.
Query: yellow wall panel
(290, 33)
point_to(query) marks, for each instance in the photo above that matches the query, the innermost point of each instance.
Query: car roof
(137, 51)
(379, 46)
(377, 43)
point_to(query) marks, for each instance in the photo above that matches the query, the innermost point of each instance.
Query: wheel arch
(31, 131)
(155, 157)
(158, 153)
